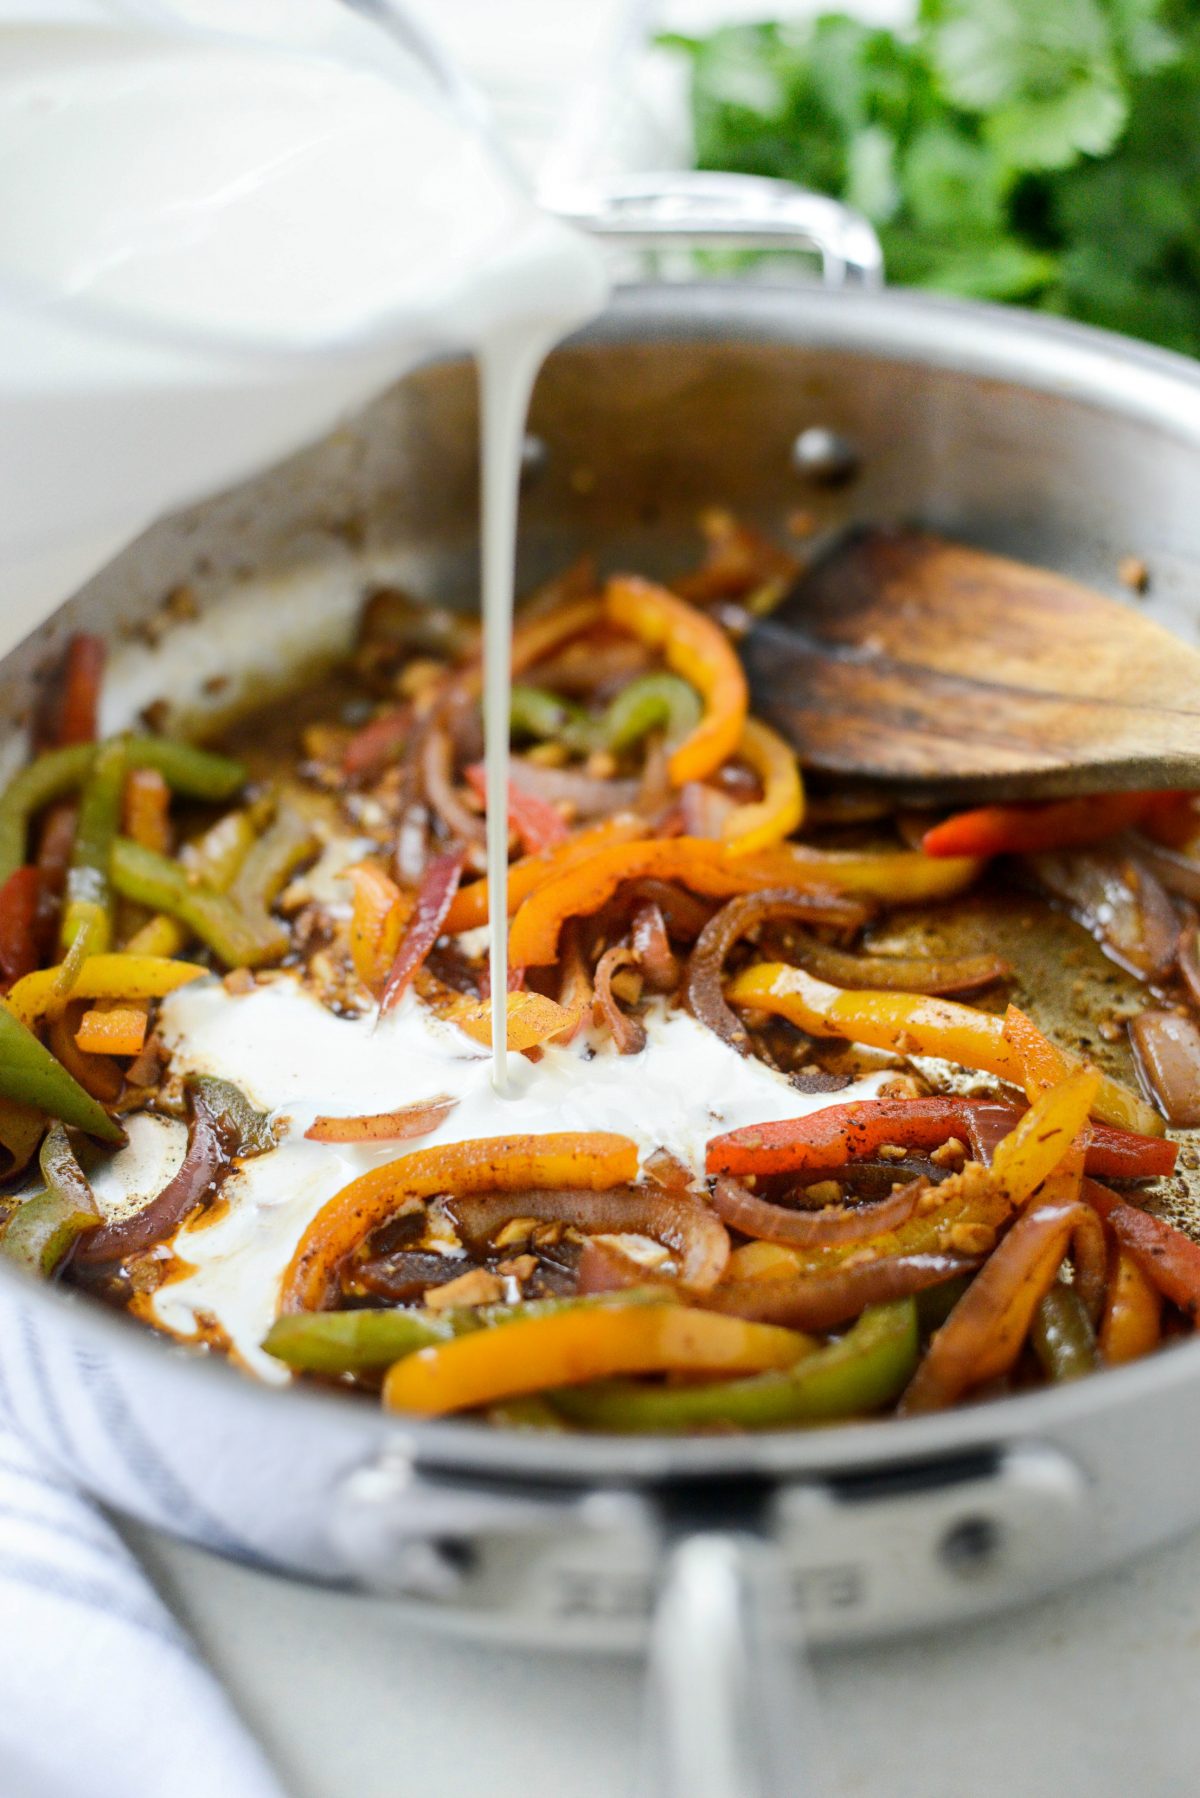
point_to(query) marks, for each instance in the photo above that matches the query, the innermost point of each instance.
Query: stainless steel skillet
(1054, 443)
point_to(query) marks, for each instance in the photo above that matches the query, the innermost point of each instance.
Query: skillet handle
(731, 1709)
(695, 209)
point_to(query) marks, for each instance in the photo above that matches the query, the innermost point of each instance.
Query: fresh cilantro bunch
(1041, 151)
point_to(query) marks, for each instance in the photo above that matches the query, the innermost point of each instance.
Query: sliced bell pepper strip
(588, 1160)
(539, 824)
(650, 702)
(536, 712)
(43, 1230)
(21, 1130)
(19, 897)
(417, 1119)
(213, 861)
(99, 1075)
(1132, 1324)
(751, 828)
(30, 1075)
(376, 923)
(271, 861)
(532, 1019)
(853, 1377)
(1030, 829)
(1043, 1062)
(81, 678)
(88, 900)
(1164, 1254)
(1062, 1335)
(892, 876)
(698, 863)
(102, 977)
(145, 809)
(471, 908)
(569, 1347)
(839, 1134)
(439, 883)
(112, 1028)
(371, 749)
(234, 936)
(696, 648)
(194, 773)
(910, 1024)
(984, 1333)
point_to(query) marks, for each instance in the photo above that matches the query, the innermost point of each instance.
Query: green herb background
(1039, 151)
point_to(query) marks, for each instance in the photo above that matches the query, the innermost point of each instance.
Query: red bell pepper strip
(839, 1134)
(19, 899)
(371, 749)
(1029, 829)
(1165, 1254)
(80, 704)
(538, 824)
(439, 883)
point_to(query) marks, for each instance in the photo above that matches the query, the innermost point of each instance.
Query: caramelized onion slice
(745, 1211)
(822, 1301)
(895, 973)
(629, 1034)
(681, 1221)
(1117, 898)
(1167, 1046)
(652, 949)
(588, 796)
(706, 965)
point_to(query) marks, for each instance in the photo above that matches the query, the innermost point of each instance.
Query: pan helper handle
(732, 1710)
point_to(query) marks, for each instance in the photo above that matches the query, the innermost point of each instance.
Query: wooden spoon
(952, 674)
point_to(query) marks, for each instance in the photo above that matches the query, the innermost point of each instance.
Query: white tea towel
(101, 1693)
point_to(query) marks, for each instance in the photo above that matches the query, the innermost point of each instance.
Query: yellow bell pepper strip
(213, 861)
(1132, 1323)
(30, 1075)
(696, 862)
(891, 876)
(532, 1019)
(377, 920)
(909, 1024)
(986, 1330)
(470, 908)
(88, 900)
(271, 861)
(569, 1347)
(587, 1160)
(853, 1377)
(236, 937)
(751, 828)
(193, 773)
(695, 647)
(113, 1028)
(1043, 1063)
(103, 977)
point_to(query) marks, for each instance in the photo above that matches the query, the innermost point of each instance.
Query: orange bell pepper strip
(697, 863)
(112, 1028)
(1043, 1063)
(587, 1161)
(1029, 829)
(909, 1024)
(145, 809)
(1132, 1323)
(470, 907)
(893, 877)
(376, 923)
(984, 1333)
(567, 1348)
(102, 977)
(532, 1019)
(695, 647)
(780, 811)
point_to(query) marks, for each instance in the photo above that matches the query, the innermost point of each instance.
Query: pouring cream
(212, 251)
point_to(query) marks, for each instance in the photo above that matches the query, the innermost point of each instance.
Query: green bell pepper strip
(651, 702)
(859, 1374)
(1062, 1335)
(234, 936)
(31, 1075)
(191, 772)
(337, 1342)
(935, 1303)
(88, 901)
(43, 1230)
(271, 861)
(62, 1173)
(536, 712)
(248, 1129)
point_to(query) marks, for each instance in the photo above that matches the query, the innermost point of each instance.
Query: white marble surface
(1092, 1692)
